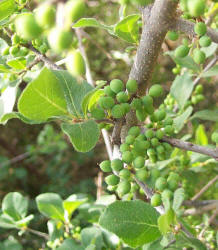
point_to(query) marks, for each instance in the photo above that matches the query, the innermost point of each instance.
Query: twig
(41, 234)
(204, 189)
(15, 159)
(199, 203)
(192, 147)
(201, 210)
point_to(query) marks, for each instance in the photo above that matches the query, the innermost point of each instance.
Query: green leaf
(15, 205)
(180, 121)
(7, 222)
(43, 98)
(165, 221)
(55, 230)
(210, 51)
(50, 204)
(201, 136)
(92, 22)
(182, 84)
(70, 244)
(207, 115)
(73, 202)
(83, 136)
(155, 245)
(17, 63)
(5, 69)
(25, 221)
(186, 62)
(178, 198)
(7, 7)
(92, 235)
(211, 72)
(135, 222)
(74, 92)
(127, 28)
(11, 244)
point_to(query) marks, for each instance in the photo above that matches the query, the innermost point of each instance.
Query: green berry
(75, 62)
(149, 133)
(161, 183)
(168, 129)
(108, 91)
(106, 166)
(135, 131)
(123, 188)
(27, 27)
(155, 173)
(199, 89)
(151, 152)
(205, 41)
(45, 16)
(160, 115)
(160, 134)
(74, 10)
(160, 149)
(116, 165)
(167, 194)
(98, 113)
(172, 35)
(156, 90)
(127, 157)
(130, 139)
(147, 101)
(112, 180)
(139, 162)
(15, 39)
(136, 103)
(156, 200)
(125, 174)
(214, 137)
(141, 174)
(24, 51)
(167, 146)
(182, 51)
(126, 107)
(141, 137)
(200, 98)
(132, 86)
(106, 102)
(124, 147)
(196, 8)
(116, 85)
(199, 56)
(14, 50)
(122, 97)
(60, 40)
(155, 142)
(118, 111)
(141, 114)
(168, 121)
(172, 184)
(140, 146)
(200, 28)
(173, 176)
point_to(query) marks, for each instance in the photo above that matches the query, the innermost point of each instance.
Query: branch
(192, 147)
(40, 234)
(201, 210)
(204, 189)
(187, 27)
(199, 203)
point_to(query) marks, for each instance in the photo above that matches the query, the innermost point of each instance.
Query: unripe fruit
(139, 162)
(160, 115)
(173, 176)
(74, 10)
(176, 71)
(196, 7)
(200, 28)
(147, 101)
(182, 51)
(108, 91)
(106, 102)
(156, 90)
(124, 147)
(172, 184)
(125, 174)
(118, 111)
(135, 131)
(130, 139)
(14, 50)
(60, 40)
(199, 56)
(156, 200)
(75, 64)
(155, 173)
(27, 27)
(172, 35)
(205, 41)
(199, 89)
(116, 165)
(116, 85)
(45, 16)
(155, 142)
(106, 166)
(149, 133)
(167, 146)
(141, 137)
(167, 194)
(136, 103)
(132, 86)
(112, 188)
(168, 121)
(127, 157)
(161, 183)
(15, 39)
(123, 188)
(141, 146)
(112, 180)
(151, 152)
(141, 174)
(5, 51)
(161, 156)
(122, 97)
(159, 134)
(200, 98)
(98, 113)
(126, 107)
(214, 137)
(141, 114)
(169, 130)
(160, 149)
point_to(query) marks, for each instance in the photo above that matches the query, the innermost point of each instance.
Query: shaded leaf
(92, 235)
(7, 7)
(178, 198)
(165, 221)
(211, 72)
(83, 136)
(180, 121)
(206, 114)
(135, 222)
(69, 244)
(209, 51)
(17, 63)
(200, 135)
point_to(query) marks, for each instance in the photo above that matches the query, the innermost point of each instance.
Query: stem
(41, 234)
